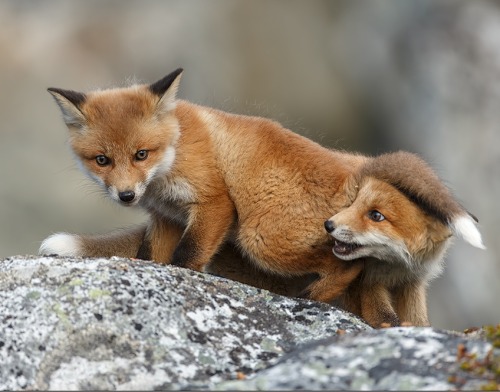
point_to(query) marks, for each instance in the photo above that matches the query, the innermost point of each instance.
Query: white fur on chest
(393, 274)
(169, 197)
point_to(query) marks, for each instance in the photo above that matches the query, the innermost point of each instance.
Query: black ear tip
(162, 85)
(74, 97)
(473, 217)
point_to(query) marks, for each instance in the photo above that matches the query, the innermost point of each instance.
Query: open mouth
(343, 248)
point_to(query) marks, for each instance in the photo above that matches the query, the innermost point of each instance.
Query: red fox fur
(211, 180)
(400, 222)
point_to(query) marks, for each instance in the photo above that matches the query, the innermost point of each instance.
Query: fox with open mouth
(401, 220)
(217, 183)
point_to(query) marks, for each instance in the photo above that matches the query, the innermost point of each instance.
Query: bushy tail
(123, 242)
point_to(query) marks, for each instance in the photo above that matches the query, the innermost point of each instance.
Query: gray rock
(390, 359)
(68, 323)
(122, 324)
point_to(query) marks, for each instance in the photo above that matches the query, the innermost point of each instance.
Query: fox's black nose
(329, 226)
(126, 196)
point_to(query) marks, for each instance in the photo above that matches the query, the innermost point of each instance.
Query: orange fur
(217, 184)
(213, 178)
(400, 220)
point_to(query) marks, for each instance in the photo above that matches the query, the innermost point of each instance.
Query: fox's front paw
(62, 244)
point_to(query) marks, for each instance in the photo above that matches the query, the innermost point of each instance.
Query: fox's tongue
(343, 248)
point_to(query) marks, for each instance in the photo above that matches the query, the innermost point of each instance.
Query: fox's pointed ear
(166, 89)
(70, 102)
(464, 226)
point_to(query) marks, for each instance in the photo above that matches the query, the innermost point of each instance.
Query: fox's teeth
(341, 247)
(344, 248)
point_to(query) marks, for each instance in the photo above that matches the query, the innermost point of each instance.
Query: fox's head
(400, 212)
(122, 138)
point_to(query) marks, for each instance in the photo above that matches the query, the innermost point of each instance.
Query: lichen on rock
(81, 324)
(70, 323)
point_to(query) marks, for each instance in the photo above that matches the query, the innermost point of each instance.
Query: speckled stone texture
(390, 359)
(85, 324)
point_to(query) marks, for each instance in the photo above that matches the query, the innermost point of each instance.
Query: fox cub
(206, 178)
(401, 220)
(211, 180)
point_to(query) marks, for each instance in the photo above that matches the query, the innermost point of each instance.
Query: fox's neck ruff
(409, 270)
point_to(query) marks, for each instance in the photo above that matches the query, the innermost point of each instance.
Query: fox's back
(283, 185)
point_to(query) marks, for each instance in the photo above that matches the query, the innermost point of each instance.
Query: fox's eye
(376, 216)
(141, 155)
(102, 160)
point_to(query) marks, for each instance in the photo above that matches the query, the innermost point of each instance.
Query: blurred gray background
(368, 76)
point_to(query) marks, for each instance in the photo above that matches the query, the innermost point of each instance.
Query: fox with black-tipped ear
(401, 220)
(211, 179)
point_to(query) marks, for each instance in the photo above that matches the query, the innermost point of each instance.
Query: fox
(401, 220)
(206, 178)
(215, 184)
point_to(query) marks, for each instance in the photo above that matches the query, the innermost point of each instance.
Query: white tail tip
(465, 227)
(62, 244)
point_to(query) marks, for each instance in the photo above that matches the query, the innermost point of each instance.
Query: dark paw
(387, 320)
